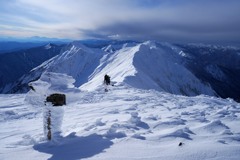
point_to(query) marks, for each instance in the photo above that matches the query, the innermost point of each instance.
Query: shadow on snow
(73, 147)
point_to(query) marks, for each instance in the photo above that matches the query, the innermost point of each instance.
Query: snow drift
(124, 123)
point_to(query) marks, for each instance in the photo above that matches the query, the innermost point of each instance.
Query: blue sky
(163, 20)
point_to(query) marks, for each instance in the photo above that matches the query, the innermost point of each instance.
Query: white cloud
(103, 18)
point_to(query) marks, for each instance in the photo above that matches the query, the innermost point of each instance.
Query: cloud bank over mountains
(165, 20)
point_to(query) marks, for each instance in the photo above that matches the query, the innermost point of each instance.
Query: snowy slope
(217, 65)
(13, 65)
(124, 123)
(147, 65)
(75, 60)
(179, 69)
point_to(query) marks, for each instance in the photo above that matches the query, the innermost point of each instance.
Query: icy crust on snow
(124, 123)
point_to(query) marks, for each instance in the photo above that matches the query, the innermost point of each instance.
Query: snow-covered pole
(49, 134)
(53, 115)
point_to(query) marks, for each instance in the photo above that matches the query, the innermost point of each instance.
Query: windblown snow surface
(124, 123)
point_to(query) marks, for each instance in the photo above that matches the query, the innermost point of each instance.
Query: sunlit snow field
(124, 123)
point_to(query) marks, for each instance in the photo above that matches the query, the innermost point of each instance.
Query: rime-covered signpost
(47, 92)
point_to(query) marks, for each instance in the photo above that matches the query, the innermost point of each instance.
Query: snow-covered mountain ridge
(149, 67)
(178, 69)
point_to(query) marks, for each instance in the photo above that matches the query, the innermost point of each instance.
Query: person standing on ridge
(107, 79)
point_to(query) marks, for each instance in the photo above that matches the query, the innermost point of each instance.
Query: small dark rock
(180, 144)
(31, 87)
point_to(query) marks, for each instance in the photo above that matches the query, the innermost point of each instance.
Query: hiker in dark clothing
(107, 79)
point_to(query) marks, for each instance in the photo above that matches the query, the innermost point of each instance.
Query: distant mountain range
(7, 47)
(10, 44)
(178, 69)
(33, 39)
(16, 64)
(219, 66)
